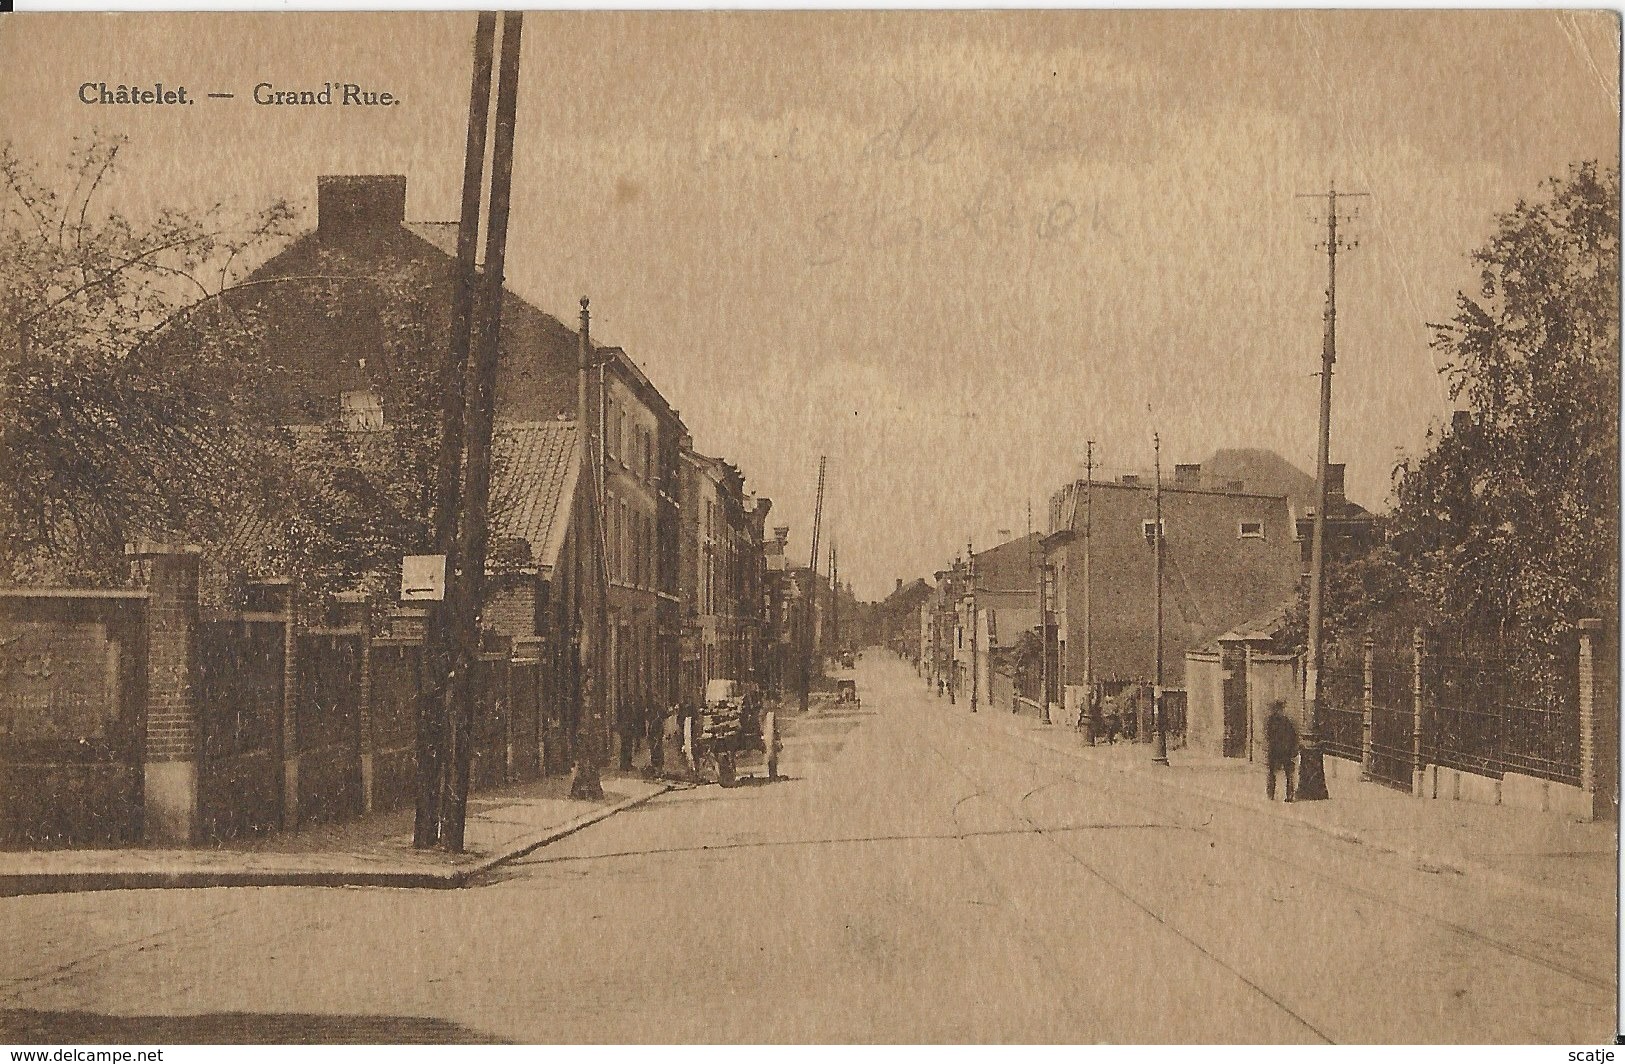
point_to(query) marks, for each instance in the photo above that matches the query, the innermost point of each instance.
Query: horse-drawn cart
(735, 732)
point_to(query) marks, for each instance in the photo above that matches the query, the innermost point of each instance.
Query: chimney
(782, 534)
(1188, 476)
(899, 584)
(359, 202)
(1461, 422)
(1334, 481)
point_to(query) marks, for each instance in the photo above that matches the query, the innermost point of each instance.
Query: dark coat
(1281, 736)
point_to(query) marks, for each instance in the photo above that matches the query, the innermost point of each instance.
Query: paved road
(925, 875)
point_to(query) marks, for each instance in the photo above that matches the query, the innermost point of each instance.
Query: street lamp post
(1159, 735)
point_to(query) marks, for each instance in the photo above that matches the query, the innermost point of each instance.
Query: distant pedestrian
(655, 735)
(630, 728)
(1281, 741)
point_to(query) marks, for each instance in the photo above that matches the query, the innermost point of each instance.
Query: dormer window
(361, 410)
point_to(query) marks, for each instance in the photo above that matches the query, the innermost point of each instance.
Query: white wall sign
(423, 578)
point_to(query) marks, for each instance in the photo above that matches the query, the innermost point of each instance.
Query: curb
(26, 883)
(1424, 861)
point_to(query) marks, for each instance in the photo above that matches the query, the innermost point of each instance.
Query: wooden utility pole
(1311, 762)
(810, 599)
(474, 533)
(834, 637)
(433, 706)
(1159, 735)
(1088, 563)
(1037, 551)
(588, 618)
(975, 665)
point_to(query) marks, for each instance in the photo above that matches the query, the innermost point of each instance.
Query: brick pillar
(290, 714)
(170, 812)
(1418, 655)
(1599, 720)
(1370, 653)
(355, 611)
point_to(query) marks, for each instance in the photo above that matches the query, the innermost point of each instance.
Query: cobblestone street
(922, 874)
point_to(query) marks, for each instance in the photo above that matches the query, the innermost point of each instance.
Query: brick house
(1228, 554)
(353, 316)
(724, 562)
(1001, 603)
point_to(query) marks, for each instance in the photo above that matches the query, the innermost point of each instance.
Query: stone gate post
(170, 811)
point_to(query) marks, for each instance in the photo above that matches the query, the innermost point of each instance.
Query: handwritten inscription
(1000, 211)
(838, 235)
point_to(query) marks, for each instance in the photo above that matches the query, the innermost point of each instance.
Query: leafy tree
(109, 431)
(1027, 658)
(363, 496)
(1368, 593)
(1508, 523)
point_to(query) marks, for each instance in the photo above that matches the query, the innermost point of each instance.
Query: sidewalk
(374, 850)
(1544, 852)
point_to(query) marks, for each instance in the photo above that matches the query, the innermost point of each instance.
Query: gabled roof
(533, 486)
(1265, 627)
(535, 478)
(443, 236)
(1011, 566)
(1262, 470)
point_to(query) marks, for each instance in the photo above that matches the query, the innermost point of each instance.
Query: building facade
(1228, 555)
(640, 449)
(355, 315)
(725, 566)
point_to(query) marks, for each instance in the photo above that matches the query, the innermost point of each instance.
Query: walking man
(1281, 739)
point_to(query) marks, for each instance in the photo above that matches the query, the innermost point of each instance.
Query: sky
(944, 249)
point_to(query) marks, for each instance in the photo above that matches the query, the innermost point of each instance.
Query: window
(644, 554)
(1148, 529)
(361, 410)
(611, 436)
(1250, 530)
(626, 533)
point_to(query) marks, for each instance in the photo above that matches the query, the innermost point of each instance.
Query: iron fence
(1493, 710)
(1488, 709)
(1342, 701)
(1393, 715)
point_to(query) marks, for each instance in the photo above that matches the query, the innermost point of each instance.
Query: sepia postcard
(733, 528)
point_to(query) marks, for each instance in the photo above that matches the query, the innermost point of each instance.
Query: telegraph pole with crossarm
(1311, 761)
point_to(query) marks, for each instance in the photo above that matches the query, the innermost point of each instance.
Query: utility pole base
(585, 784)
(1311, 774)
